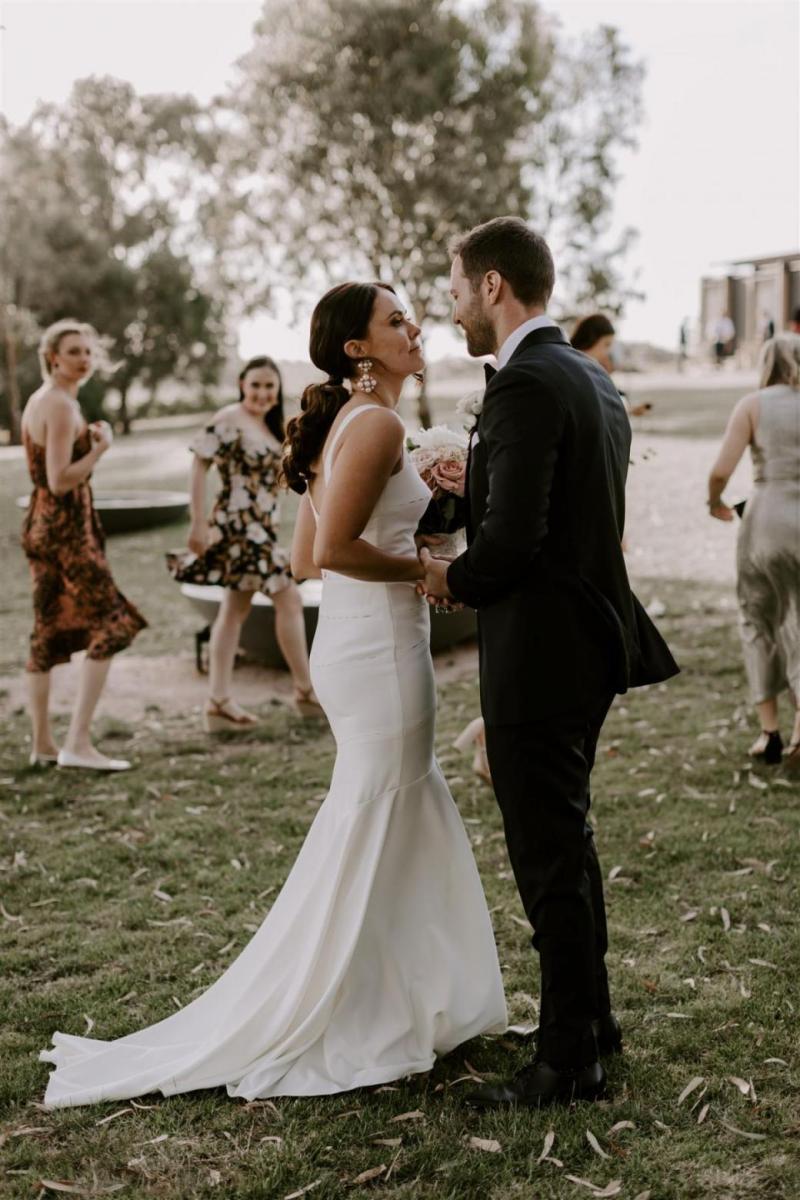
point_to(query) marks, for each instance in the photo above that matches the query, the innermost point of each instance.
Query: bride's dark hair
(343, 314)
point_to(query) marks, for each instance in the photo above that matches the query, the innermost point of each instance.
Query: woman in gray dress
(768, 553)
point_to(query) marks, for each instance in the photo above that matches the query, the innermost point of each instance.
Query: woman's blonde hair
(52, 337)
(780, 361)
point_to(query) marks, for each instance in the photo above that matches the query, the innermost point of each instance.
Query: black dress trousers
(540, 771)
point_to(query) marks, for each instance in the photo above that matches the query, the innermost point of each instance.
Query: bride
(378, 953)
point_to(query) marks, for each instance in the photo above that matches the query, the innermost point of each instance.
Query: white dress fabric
(378, 953)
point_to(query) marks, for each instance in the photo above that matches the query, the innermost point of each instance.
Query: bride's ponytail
(342, 315)
(306, 434)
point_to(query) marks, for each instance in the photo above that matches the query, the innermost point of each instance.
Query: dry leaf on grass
(755, 782)
(549, 1142)
(489, 1145)
(745, 1133)
(619, 1126)
(416, 1115)
(214, 1177)
(780, 1061)
(593, 1142)
(726, 919)
(368, 1176)
(614, 873)
(703, 1114)
(611, 1189)
(743, 1085)
(387, 1141)
(272, 1140)
(119, 1113)
(643, 1195)
(303, 1191)
(691, 1086)
(80, 1189)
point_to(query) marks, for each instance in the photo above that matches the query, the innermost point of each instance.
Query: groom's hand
(434, 584)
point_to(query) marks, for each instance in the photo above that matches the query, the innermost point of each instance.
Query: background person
(236, 547)
(768, 551)
(723, 336)
(76, 604)
(594, 335)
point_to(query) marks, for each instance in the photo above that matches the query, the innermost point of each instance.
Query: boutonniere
(471, 405)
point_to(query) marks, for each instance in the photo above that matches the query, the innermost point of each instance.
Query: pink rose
(449, 475)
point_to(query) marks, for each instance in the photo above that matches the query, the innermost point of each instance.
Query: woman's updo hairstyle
(53, 336)
(343, 314)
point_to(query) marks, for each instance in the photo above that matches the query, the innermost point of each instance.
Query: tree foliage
(97, 222)
(371, 131)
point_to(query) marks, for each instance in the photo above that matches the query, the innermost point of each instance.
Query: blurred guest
(768, 553)
(594, 335)
(76, 603)
(235, 547)
(794, 324)
(723, 335)
(767, 327)
(683, 344)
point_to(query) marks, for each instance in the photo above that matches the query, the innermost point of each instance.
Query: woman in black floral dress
(235, 546)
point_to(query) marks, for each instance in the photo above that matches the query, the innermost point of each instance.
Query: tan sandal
(306, 704)
(474, 735)
(217, 717)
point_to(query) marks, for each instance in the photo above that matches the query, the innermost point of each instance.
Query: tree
(372, 131)
(100, 216)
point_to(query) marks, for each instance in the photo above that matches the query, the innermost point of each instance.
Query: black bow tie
(489, 371)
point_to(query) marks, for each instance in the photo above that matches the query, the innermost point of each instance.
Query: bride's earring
(365, 381)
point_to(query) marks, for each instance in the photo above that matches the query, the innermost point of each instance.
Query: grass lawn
(122, 898)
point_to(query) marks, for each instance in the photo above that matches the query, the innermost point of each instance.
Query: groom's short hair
(510, 247)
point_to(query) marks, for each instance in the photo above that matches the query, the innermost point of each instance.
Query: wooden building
(752, 291)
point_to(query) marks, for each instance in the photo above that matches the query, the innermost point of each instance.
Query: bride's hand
(429, 540)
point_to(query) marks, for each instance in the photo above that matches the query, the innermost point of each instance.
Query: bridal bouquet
(440, 456)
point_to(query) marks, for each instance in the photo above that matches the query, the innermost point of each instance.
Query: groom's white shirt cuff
(520, 333)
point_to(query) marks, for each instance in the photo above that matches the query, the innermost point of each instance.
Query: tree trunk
(423, 407)
(124, 419)
(14, 406)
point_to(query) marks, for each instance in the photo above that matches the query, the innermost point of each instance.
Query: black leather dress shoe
(540, 1085)
(608, 1035)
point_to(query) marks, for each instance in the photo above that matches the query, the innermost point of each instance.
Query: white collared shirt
(520, 333)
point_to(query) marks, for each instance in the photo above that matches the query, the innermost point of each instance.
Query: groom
(559, 630)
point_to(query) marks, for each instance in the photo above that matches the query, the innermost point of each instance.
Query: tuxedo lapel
(489, 373)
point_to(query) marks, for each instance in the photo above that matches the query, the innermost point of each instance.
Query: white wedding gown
(378, 953)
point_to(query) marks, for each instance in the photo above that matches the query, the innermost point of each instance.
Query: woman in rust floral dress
(76, 603)
(235, 547)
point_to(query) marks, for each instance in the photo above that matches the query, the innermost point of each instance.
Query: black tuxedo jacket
(558, 624)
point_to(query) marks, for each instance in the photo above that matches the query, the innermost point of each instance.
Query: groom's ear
(492, 287)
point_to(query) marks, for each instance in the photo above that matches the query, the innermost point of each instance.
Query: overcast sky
(716, 176)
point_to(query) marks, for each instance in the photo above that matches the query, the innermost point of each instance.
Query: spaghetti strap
(354, 412)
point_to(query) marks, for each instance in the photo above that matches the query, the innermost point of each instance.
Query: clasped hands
(433, 585)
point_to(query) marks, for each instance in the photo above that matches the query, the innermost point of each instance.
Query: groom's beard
(480, 332)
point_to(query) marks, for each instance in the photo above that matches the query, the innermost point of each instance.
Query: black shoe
(772, 753)
(540, 1085)
(608, 1035)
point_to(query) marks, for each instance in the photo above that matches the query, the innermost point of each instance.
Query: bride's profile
(378, 953)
